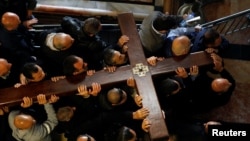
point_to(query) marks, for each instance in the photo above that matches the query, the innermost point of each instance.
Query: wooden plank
(169, 65)
(158, 129)
(13, 96)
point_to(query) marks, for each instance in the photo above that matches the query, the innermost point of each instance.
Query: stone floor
(237, 109)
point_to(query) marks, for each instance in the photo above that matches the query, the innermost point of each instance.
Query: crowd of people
(117, 113)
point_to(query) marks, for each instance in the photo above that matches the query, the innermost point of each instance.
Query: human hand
(124, 48)
(110, 68)
(17, 85)
(27, 102)
(3, 110)
(211, 50)
(41, 98)
(96, 88)
(56, 78)
(90, 72)
(53, 99)
(138, 100)
(194, 70)
(217, 60)
(131, 82)
(181, 72)
(123, 40)
(152, 60)
(197, 28)
(83, 91)
(23, 79)
(141, 113)
(146, 125)
(160, 58)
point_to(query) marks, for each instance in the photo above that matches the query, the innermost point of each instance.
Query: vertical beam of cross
(145, 86)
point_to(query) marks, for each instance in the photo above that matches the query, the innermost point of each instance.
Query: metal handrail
(231, 22)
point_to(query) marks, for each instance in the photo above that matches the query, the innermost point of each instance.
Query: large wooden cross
(138, 69)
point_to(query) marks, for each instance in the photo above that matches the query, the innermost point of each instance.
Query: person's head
(220, 85)
(64, 114)
(126, 134)
(170, 87)
(164, 23)
(113, 58)
(5, 67)
(10, 21)
(62, 41)
(23, 121)
(212, 38)
(85, 137)
(33, 72)
(92, 26)
(181, 46)
(116, 96)
(73, 65)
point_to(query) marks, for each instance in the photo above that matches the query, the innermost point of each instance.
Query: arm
(43, 130)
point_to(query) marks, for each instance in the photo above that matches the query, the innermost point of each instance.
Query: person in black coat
(23, 8)
(89, 45)
(9, 74)
(208, 92)
(55, 47)
(16, 41)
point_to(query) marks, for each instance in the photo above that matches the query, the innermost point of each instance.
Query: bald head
(23, 121)
(62, 41)
(181, 46)
(85, 138)
(10, 21)
(5, 67)
(220, 85)
(114, 96)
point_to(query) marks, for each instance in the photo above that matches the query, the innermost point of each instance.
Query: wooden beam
(158, 129)
(13, 96)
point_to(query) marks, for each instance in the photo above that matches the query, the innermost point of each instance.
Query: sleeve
(223, 46)
(11, 116)
(180, 31)
(224, 43)
(47, 126)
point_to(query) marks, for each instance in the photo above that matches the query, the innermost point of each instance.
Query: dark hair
(210, 36)
(91, 26)
(28, 69)
(124, 134)
(164, 23)
(108, 55)
(168, 85)
(68, 65)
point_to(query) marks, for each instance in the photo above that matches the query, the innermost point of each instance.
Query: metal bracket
(140, 69)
